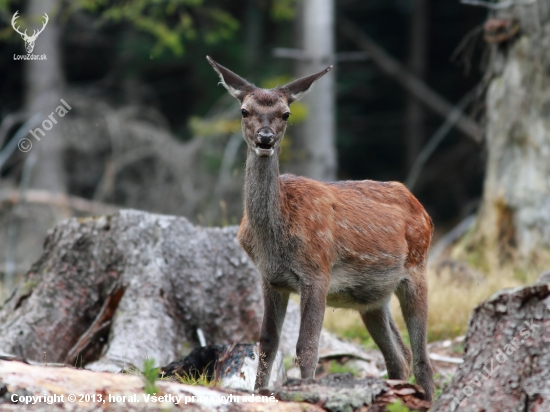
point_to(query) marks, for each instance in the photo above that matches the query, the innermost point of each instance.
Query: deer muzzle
(264, 142)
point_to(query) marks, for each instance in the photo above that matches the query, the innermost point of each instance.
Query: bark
(314, 144)
(135, 285)
(507, 355)
(414, 112)
(254, 32)
(515, 213)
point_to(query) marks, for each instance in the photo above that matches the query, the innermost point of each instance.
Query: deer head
(264, 111)
(29, 40)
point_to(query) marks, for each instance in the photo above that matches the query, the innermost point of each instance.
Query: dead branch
(413, 84)
(11, 197)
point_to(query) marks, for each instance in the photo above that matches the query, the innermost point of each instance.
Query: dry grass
(450, 305)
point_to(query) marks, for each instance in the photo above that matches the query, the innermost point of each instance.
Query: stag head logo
(29, 40)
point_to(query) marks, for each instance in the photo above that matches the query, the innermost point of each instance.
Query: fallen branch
(61, 200)
(446, 359)
(61, 389)
(438, 137)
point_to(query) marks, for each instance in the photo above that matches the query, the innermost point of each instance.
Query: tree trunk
(254, 34)
(314, 143)
(414, 112)
(44, 82)
(507, 355)
(514, 220)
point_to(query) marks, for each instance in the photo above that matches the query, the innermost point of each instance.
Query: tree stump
(171, 277)
(507, 355)
(110, 292)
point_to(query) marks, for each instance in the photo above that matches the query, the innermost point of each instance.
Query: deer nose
(265, 136)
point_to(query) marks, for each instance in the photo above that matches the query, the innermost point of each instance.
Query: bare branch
(439, 135)
(45, 197)
(414, 85)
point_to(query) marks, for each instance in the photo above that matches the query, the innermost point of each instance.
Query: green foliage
(283, 9)
(397, 406)
(150, 375)
(4, 4)
(213, 127)
(169, 22)
(223, 25)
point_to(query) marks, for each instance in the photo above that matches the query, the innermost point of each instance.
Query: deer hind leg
(399, 339)
(413, 297)
(275, 304)
(385, 334)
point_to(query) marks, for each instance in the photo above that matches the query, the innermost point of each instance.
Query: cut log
(126, 392)
(507, 355)
(120, 393)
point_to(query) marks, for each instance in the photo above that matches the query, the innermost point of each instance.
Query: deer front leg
(275, 304)
(312, 306)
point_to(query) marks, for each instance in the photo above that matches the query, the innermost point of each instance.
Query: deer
(29, 40)
(344, 244)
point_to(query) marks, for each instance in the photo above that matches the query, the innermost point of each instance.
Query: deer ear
(235, 84)
(295, 90)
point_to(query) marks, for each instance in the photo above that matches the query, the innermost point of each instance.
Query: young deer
(348, 244)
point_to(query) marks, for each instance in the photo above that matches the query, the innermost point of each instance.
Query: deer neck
(262, 195)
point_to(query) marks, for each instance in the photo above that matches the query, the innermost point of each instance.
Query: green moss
(27, 287)
(397, 406)
(294, 397)
(337, 367)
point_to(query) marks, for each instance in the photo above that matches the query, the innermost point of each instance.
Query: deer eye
(285, 116)
(244, 112)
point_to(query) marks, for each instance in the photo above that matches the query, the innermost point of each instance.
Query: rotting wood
(87, 348)
(332, 393)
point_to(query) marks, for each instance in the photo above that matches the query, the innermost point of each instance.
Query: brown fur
(266, 97)
(347, 244)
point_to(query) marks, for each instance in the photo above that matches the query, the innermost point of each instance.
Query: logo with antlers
(29, 40)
